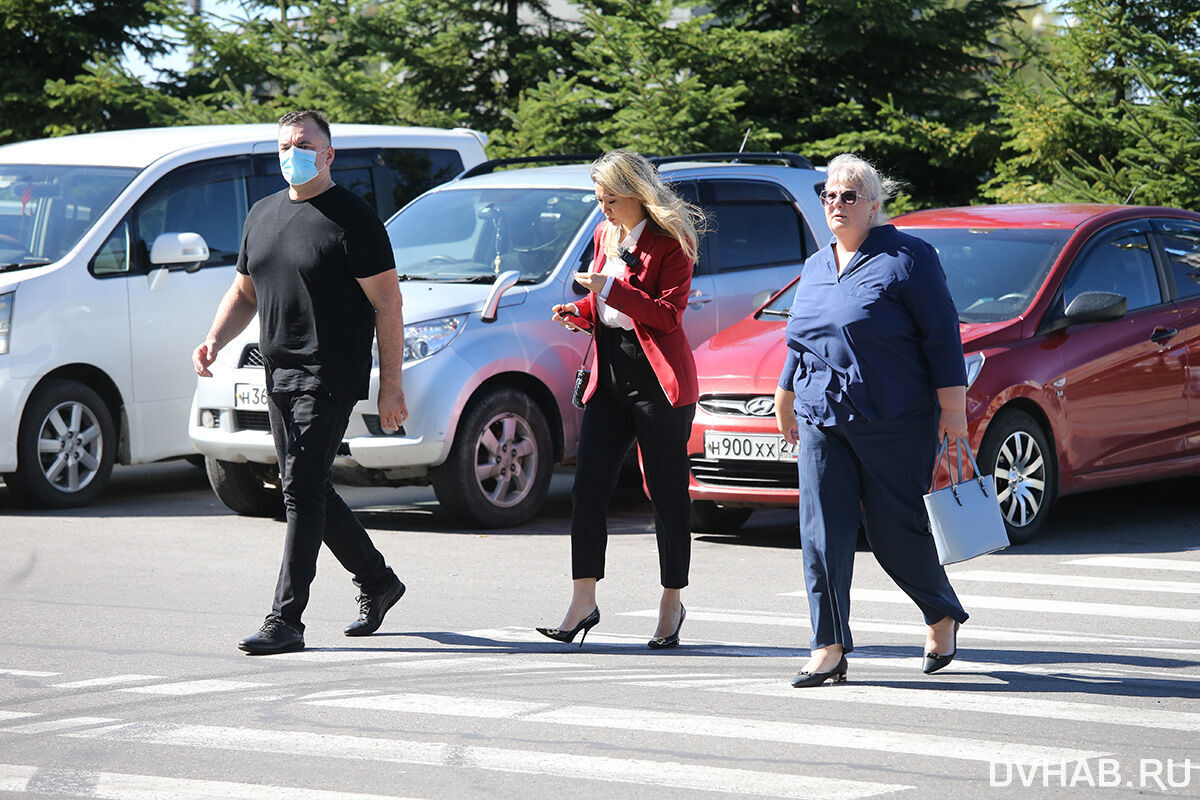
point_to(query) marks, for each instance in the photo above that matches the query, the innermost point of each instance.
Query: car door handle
(1163, 334)
(698, 298)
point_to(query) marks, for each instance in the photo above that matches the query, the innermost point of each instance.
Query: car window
(756, 224)
(209, 198)
(689, 192)
(475, 234)
(1116, 261)
(411, 171)
(46, 209)
(993, 273)
(1181, 243)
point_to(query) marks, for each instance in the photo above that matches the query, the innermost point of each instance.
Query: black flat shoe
(805, 678)
(663, 642)
(275, 636)
(559, 635)
(934, 662)
(372, 608)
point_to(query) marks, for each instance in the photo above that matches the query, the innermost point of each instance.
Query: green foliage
(1116, 119)
(50, 41)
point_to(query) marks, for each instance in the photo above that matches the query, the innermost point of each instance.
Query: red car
(1081, 333)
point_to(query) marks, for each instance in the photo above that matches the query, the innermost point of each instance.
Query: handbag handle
(960, 444)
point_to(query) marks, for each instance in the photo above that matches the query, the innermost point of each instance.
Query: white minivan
(115, 249)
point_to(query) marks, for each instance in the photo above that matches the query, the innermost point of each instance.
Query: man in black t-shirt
(317, 267)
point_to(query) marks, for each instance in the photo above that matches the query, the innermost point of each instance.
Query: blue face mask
(298, 165)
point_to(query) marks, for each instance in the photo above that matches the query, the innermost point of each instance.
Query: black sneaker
(275, 636)
(372, 608)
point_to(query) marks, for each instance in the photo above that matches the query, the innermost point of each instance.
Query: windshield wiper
(35, 262)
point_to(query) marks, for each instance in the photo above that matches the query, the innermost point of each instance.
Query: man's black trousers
(308, 428)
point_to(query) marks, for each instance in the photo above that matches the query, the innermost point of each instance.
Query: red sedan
(1081, 333)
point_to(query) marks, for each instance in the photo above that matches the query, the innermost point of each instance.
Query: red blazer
(655, 297)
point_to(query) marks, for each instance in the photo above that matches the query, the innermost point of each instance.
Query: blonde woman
(643, 381)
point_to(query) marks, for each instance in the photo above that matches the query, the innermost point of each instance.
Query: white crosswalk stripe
(1041, 606)
(111, 680)
(1138, 562)
(646, 773)
(719, 727)
(205, 686)
(1079, 581)
(117, 786)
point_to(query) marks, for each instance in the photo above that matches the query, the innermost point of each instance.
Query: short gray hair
(854, 170)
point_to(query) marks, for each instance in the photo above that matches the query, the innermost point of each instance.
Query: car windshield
(45, 209)
(993, 273)
(475, 234)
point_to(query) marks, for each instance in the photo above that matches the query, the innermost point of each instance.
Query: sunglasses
(849, 197)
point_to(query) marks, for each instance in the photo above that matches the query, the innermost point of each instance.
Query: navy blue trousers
(876, 472)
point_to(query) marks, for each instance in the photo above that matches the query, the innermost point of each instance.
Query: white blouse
(613, 268)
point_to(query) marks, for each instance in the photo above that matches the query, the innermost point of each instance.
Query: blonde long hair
(628, 174)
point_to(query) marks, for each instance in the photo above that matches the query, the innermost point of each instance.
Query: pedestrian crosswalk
(1052, 672)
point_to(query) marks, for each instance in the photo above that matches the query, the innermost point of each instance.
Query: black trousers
(629, 405)
(307, 428)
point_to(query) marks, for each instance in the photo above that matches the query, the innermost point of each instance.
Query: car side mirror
(174, 249)
(1090, 307)
(762, 297)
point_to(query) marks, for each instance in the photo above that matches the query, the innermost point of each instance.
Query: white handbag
(964, 517)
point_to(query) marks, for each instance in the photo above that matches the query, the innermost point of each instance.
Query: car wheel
(244, 489)
(499, 467)
(65, 447)
(1021, 461)
(708, 517)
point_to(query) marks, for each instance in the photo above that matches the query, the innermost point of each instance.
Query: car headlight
(974, 366)
(6, 305)
(423, 339)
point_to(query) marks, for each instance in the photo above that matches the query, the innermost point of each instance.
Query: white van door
(171, 307)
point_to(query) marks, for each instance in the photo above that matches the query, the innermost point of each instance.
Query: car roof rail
(789, 159)
(492, 164)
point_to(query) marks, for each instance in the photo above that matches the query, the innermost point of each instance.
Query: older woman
(874, 379)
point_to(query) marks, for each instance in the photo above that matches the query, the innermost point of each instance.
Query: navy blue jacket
(877, 341)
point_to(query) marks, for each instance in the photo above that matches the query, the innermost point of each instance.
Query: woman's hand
(592, 281)
(785, 415)
(561, 312)
(953, 420)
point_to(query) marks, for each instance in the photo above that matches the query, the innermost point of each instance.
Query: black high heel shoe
(934, 662)
(663, 642)
(559, 635)
(805, 678)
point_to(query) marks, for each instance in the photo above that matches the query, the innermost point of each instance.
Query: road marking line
(55, 725)
(15, 778)
(1081, 581)
(16, 714)
(1143, 613)
(1005, 703)
(195, 687)
(621, 676)
(1136, 562)
(118, 786)
(718, 727)
(112, 680)
(972, 631)
(486, 664)
(641, 772)
(25, 673)
(330, 656)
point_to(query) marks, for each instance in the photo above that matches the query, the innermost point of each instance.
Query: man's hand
(393, 410)
(203, 357)
(785, 415)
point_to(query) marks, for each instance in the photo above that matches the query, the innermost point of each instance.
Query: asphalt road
(1078, 673)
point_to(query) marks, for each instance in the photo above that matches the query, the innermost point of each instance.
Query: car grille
(748, 474)
(751, 405)
(251, 421)
(251, 357)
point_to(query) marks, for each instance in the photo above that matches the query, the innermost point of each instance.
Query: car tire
(66, 446)
(502, 434)
(709, 517)
(242, 488)
(1016, 452)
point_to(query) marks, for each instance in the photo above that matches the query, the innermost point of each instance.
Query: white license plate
(250, 397)
(748, 446)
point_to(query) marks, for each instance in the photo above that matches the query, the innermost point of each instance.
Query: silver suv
(487, 374)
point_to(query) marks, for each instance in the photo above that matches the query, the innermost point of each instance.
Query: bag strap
(944, 451)
(963, 445)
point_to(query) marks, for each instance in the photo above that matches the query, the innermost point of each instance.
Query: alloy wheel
(1020, 476)
(70, 446)
(506, 460)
